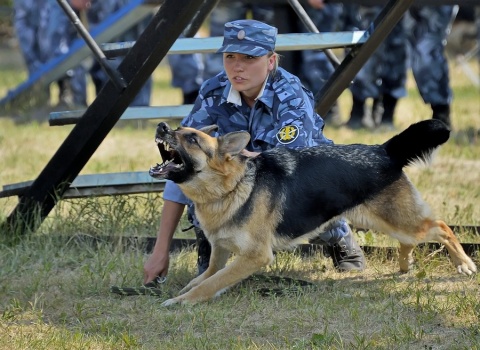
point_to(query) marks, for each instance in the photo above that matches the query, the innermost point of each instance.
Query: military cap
(248, 37)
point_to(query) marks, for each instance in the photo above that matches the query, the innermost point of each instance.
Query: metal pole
(199, 18)
(356, 58)
(312, 28)
(112, 73)
(101, 116)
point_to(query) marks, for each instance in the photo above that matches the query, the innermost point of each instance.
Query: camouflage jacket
(282, 116)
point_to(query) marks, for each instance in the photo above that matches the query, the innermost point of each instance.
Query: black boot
(65, 94)
(442, 112)
(377, 111)
(347, 254)
(204, 250)
(356, 115)
(389, 104)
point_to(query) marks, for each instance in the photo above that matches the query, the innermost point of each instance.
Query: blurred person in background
(98, 11)
(44, 32)
(382, 78)
(428, 28)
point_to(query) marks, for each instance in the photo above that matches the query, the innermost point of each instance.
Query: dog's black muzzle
(163, 129)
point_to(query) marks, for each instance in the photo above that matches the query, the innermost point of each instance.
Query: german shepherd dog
(251, 206)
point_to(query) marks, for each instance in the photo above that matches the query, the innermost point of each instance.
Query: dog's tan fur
(220, 189)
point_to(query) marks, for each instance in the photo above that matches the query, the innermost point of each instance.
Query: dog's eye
(192, 139)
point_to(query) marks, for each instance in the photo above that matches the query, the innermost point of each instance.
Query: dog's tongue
(161, 170)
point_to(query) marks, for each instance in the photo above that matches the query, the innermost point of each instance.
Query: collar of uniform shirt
(234, 95)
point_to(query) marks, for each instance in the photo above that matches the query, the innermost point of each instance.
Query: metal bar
(359, 2)
(100, 117)
(285, 42)
(356, 58)
(307, 21)
(132, 113)
(199, 18)
(112, 73)
(416, 2)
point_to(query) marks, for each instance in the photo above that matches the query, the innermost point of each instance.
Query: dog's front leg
(239, 269)
(406, 257)
(218, 259)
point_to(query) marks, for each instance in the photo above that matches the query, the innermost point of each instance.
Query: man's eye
(248, 57)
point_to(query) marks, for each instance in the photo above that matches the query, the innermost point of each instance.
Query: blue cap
(248, 37)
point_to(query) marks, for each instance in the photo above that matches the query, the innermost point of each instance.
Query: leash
(151, 288)
(292, 285)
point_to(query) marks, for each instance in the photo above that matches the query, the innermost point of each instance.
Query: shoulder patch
(287, 134)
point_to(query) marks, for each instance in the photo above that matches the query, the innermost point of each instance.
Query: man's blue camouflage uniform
(44, 32)
(316, 68)
(98, 12)
(385, 72)
(427, 37)
(31, 21)
(189, 71)
(284, 105)
(418, 41)
(383, 76)
(187, 74)
(283, 114)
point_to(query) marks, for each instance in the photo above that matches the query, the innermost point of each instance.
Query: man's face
(247, 73)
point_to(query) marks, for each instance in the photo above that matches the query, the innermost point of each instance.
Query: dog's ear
(234, 142)
(209, 129)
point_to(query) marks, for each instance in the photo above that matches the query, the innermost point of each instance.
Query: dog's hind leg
(400, 212)
(239, 269)
(406, 257)
(439, 231)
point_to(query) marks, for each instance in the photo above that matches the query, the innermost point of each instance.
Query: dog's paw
(179, 300)
(467, 267)
(170, 302)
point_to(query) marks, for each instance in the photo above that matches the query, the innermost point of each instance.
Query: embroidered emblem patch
(287, 134)
(241, 34)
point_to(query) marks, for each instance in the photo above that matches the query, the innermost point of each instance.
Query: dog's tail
(417, 142)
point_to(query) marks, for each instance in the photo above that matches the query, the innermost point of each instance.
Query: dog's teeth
(167, 147)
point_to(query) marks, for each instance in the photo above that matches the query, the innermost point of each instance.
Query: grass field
(54, 289)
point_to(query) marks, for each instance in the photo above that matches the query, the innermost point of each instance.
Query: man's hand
(80, 5)
(316, 4)
(156, 265)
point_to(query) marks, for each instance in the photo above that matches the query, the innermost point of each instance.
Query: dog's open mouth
(171, 160)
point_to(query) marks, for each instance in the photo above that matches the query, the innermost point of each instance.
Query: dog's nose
(162, 129)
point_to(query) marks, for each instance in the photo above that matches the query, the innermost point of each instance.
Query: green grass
(66, 304)
(54, 286)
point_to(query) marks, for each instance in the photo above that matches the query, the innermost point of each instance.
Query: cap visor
(250, 50)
